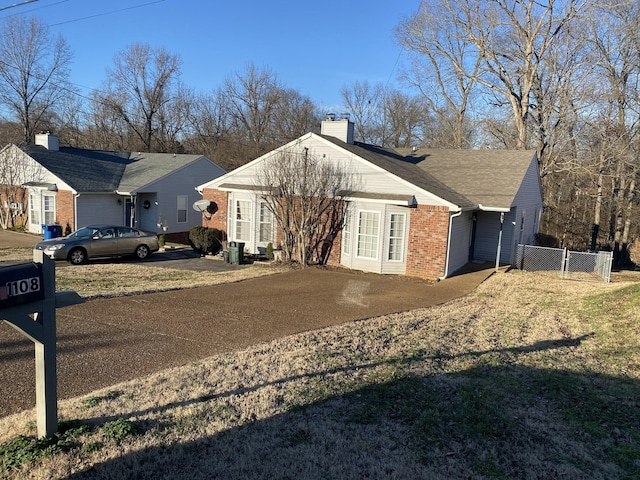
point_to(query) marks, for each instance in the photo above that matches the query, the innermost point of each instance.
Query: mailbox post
(28, 302)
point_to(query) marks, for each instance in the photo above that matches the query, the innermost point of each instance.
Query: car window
(107, 233)
(84, 232)
(126, 232)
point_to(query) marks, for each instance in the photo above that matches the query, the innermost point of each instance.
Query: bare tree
(106, 129)
(364, 102)
(250, 99)
(444, 69)
(34, 71)
(293, 116)
(615, 45)
(15, 171)
(403, 120)
(139, 86)
(306, 196)
(173, 120)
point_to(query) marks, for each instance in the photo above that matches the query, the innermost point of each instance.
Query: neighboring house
(423, 213)
(74, 187)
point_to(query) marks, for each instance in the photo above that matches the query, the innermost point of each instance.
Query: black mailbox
(21, 283)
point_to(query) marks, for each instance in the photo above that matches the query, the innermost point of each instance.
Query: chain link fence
(567, 264)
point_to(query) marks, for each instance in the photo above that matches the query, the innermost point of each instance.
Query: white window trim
(236, 220)
(347, 233)
(377, 236)
(402, 238)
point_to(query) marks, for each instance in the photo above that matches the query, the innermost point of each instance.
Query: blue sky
(313, 47)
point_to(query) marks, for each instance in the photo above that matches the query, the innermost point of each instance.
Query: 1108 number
(23, 286)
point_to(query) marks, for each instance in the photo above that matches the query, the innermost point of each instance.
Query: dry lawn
(529, 377)
(101, 280)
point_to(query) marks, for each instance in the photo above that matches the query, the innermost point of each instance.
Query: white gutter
(446, 264)
(75, 212)
(493, 209)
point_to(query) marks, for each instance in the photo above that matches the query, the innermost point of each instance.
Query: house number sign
(28, 302)
(20, 283)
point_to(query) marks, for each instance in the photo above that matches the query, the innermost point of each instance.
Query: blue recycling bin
(51, 231)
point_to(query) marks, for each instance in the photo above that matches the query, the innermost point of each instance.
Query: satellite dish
(201, 205)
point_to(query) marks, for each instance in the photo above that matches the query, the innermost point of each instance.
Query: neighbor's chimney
(48, 141)
(340, 128)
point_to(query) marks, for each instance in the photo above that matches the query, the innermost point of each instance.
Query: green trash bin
(236, 252)
(233, 252)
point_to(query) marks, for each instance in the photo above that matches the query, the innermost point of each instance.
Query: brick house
(75, 187)
(421, 213)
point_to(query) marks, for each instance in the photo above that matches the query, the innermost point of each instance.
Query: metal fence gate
(566, 263)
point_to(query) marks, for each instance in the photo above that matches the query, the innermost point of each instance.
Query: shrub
(120, 429)
(546, 240)
(269, 251)
(205, 240)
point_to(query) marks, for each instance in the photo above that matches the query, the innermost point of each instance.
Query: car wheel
(77, 256)
(142, 252)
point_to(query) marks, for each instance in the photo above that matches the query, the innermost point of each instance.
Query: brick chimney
(340, 128)
(48, 141)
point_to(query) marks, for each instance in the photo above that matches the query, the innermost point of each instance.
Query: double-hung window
(243, 220)
(266, 224)
(346, 233)
(182, 208)
(368, 233)
(396, 237)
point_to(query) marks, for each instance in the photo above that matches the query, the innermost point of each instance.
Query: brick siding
(219, 219)
(427, 241)
(65, 213)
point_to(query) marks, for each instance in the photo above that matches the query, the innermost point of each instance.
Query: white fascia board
(493, 209)
(229, 175)
(402, 202)
(414, 189)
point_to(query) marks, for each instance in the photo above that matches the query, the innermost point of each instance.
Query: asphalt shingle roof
(98, 171)
(401, 166)
(487, 177)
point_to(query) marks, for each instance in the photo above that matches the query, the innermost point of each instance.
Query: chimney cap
(331, 116)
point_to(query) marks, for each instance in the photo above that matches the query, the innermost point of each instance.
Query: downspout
(132, 214)
(75, 211)
(499, 241)
(446, 262)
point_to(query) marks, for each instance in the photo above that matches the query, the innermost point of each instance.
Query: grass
(528, 377)
(113, 279)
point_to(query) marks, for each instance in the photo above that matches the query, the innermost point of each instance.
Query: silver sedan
(97, 241)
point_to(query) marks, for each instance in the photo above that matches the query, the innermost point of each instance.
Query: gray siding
(487, 236)
(98, 208)
(166, 191)
(460, 241)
